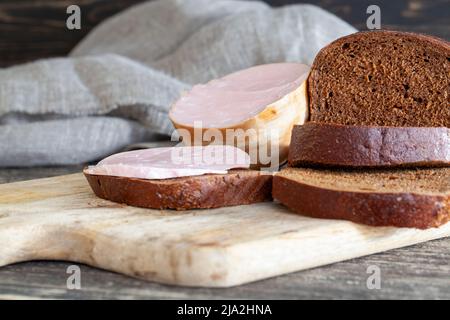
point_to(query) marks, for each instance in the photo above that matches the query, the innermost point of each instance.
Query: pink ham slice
(254, 109)
(238, 96)
(164, 163)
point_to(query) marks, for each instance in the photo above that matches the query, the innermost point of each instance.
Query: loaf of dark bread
(238, 187)
(335, 145)
(414, 198)
(382, 78)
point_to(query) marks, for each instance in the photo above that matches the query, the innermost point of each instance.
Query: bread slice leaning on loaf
(414, 198)
(377, 99)
(333, 145)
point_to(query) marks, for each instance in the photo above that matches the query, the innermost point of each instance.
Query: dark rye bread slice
(382, 78)
(238, 187)
(414, 198)
(322, 144)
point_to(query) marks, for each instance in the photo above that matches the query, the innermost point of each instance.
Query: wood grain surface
(60, 218)
(417, 272)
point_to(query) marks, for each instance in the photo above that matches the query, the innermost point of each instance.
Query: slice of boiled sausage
(172, 162)
(253, 109)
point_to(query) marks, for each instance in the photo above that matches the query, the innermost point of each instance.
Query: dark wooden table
(35, 29)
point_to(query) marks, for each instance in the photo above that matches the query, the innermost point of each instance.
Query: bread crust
(238, 187)
(332, 145)
(409, 210)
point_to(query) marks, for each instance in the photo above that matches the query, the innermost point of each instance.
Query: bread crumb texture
(383, 78)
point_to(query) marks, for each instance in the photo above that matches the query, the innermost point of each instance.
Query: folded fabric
(117, 85)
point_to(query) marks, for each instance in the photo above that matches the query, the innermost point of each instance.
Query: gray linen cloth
(117, 85)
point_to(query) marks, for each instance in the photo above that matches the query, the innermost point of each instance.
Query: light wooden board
(60, 219)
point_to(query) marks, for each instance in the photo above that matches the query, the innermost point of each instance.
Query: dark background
(32, 29)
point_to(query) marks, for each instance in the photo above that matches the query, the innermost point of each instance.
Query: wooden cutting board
(60, 218)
